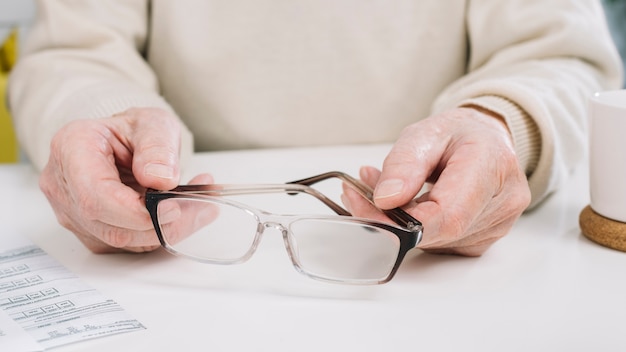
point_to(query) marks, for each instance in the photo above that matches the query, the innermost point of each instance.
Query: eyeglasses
(217, 224)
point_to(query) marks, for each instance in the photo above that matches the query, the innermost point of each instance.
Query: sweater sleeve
(82, 59)
(536, 63)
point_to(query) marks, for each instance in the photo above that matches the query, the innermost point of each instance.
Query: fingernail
(365, 173)
(159, 170)
(389, 188)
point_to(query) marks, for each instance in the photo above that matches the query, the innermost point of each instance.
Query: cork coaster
(607, 232)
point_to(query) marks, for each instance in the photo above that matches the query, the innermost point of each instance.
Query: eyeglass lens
(213, 229)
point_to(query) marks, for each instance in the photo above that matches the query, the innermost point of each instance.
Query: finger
(370, 175)
(179, 218)
(154, 138)
(473, 245)
(360, 207)
(194, 215)
(141, 240)
(201, 179)
(407, 167)
(117, 237)
(96, 245)
(117, 240)
(131, 238)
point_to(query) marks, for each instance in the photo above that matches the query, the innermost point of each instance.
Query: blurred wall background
(15, 13)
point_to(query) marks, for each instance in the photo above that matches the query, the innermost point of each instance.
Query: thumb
(156, 146)
(404, 172)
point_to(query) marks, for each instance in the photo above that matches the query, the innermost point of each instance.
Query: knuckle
(74, 127)
(519, 196)
(156, 116)
(154, 146)
(46, 184)
(410, 130)
(65, 221)
(521, 200)
(400, 157)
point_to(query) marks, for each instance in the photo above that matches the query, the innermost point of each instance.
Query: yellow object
(8, 143)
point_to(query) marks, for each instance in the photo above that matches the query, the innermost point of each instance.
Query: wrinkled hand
(478, 187)
(99, 169)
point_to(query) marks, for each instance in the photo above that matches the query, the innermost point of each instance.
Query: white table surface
(544, 287)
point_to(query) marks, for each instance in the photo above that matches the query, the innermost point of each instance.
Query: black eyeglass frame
(409, 232)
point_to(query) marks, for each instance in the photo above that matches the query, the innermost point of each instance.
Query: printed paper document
(50, 304)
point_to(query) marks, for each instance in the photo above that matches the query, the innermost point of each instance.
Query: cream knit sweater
(249, 74)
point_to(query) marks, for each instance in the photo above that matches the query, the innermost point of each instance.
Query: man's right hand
(99, 169)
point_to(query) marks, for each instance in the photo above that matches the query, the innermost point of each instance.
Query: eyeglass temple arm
(398, 215)
(293, 190)
(339, 210)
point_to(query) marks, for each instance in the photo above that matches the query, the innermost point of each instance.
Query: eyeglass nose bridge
(274, 225)
(290, 246)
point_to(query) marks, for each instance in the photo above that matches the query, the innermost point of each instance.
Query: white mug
(607, 154)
